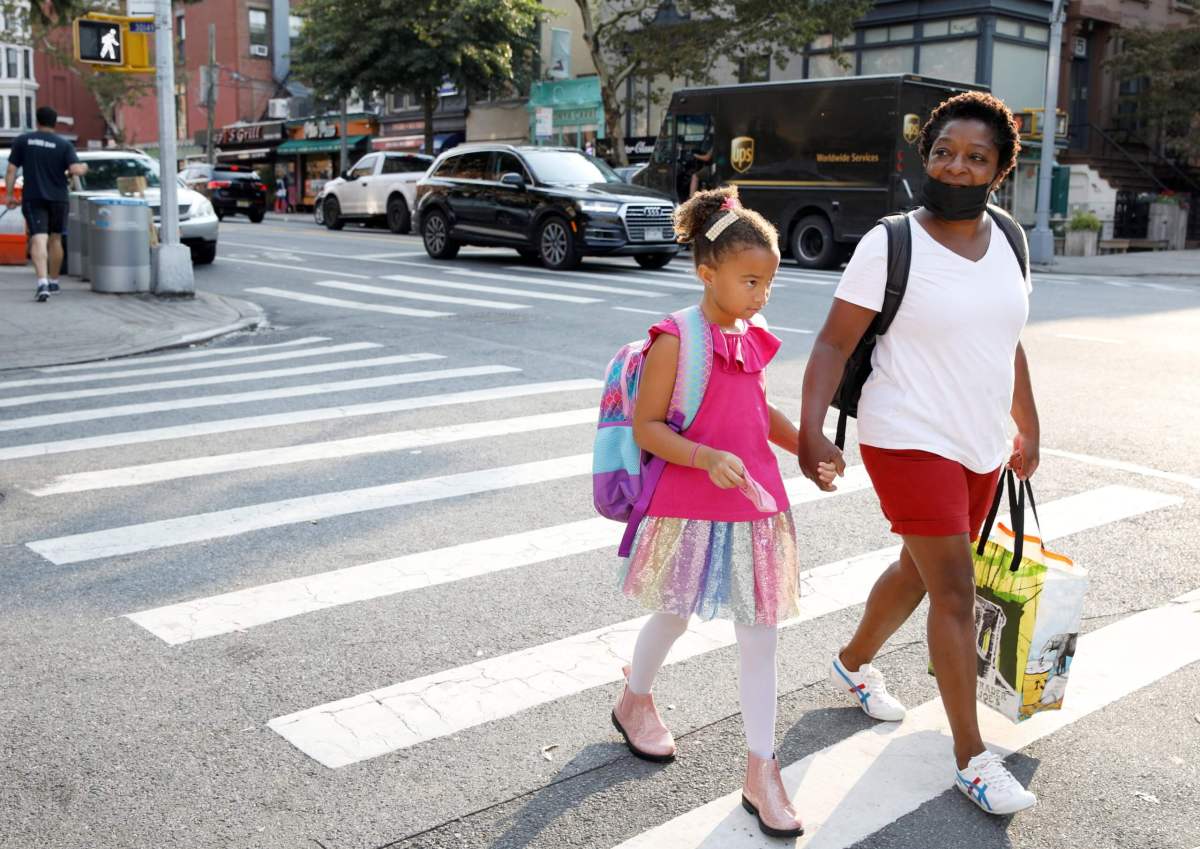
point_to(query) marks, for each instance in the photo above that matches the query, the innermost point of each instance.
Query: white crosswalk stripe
(450, 300)
(404, 714)
(556, 283)
(847, 790)
(495, 290)
(343, 303)
(615, 277)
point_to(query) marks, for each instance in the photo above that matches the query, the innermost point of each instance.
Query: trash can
(12, 236)
(118, 251)
(76, 233)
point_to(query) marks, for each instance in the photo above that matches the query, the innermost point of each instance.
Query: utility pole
(210, 93)
(1041, 241)
(174, 259)
(342, 135)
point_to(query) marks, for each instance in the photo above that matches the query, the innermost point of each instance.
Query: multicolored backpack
(624, 476)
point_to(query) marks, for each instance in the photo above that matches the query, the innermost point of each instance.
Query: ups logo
(741, 154)
(912, 127)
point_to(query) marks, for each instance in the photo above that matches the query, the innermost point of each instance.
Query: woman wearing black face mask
(932, 418)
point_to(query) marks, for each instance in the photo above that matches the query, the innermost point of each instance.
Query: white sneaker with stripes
(867, 689)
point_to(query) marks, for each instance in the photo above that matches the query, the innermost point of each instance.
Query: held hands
(1026, 455)
(820, 460)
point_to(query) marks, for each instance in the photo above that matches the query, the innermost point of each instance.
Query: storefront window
(1006, 27)
(888, 60)
(1019, 75)
(318, 170)
(949, 60)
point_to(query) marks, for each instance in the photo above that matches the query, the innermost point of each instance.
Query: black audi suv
(552, 204)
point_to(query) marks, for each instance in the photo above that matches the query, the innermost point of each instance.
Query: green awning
(318, 145)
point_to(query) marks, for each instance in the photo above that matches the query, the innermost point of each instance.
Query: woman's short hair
(979, 106)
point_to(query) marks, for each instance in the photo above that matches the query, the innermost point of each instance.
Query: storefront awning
(318, 145)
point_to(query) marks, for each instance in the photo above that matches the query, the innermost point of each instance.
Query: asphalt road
(339, 583)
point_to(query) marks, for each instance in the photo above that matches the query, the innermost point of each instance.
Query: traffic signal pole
(210, 94)
(1041, 240)
(174, 259)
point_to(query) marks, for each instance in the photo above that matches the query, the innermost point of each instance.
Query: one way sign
(99, 42)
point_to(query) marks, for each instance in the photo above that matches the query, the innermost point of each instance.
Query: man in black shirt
(46, 159)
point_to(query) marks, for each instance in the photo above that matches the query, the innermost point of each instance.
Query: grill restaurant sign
(249, 134)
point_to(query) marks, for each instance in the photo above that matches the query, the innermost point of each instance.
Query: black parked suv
(553, 204)
(233, 189)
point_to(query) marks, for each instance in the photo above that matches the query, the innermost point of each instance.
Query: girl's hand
(1026, 455)
(725, 470)
(820, 460)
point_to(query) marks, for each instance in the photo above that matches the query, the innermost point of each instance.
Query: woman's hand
(725, 470)
(820, 460)
(1026, 455)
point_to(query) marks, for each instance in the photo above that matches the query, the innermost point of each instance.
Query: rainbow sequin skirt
(744, 571)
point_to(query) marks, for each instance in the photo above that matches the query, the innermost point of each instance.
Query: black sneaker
(54, 290)
(43, 292)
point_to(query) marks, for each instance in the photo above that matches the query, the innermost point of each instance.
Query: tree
(652, 39)
(1167, 102)
(401, 45)
(48, 27)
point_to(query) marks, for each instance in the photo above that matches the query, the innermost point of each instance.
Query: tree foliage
(654, 38)
(1168, 103)
(349, 46)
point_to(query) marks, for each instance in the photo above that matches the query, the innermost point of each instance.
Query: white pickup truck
(380, 187)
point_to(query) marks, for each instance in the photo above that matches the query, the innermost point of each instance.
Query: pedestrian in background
(717, 539)
(46, 159)
(281, 196)
(947, 376)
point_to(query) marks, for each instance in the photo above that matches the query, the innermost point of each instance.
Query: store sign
(577, 116)
(544, 117)
(252, 134)
(640, 146)
(320, 129)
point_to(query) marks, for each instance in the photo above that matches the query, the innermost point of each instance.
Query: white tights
(756, 681)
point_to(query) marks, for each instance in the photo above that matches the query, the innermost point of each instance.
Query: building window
(1018, 74)
(260, 34)
(1006, 27)
(823, 65)
(949, 60)
(880, 35)
(888, 60)
(1017, 29)
(295, 23)
(180, 38)
(14, 112)
(28, 64)
(11, 55)
(754, 69)
(29, 113)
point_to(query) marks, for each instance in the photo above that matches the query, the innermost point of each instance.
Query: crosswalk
(480, 281)
(402, 413)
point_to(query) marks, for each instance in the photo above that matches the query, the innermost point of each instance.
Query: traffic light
(99, 42)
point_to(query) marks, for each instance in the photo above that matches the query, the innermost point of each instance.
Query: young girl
(718, 539)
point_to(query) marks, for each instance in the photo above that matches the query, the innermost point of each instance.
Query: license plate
(243, 203)
(652, 234)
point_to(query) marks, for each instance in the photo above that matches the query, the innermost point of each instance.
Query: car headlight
(599, 206)
(202, 208)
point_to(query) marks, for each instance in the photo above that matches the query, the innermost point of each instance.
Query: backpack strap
(1015, 234)
(899, 259)
(691, 379)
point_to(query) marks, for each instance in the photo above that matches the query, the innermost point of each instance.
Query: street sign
(99, 42)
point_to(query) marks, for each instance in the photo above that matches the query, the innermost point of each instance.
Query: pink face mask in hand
(761, 499)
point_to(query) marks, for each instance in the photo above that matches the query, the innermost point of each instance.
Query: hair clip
(715, 231)
(731, 202)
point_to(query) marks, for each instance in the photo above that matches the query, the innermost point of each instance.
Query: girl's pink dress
(709, 551)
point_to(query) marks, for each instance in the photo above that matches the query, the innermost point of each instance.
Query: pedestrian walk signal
(114, 43)
(99, 42)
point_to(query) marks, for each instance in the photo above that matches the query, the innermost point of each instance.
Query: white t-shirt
(942, 375)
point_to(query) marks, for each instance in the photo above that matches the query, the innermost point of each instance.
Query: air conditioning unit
(277, 107)
(259, 50)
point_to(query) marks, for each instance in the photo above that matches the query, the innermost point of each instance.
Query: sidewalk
(78, 325)
(1140, 264)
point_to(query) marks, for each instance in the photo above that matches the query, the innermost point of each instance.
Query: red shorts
(926, 495)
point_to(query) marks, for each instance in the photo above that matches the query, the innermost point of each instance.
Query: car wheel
(398, 219)
(653, 260)
(204, 253)
(812, 243)
(256, 215)
(435, 232)
(529, 255)
(333, 214)
(319, 212)
(557, 246)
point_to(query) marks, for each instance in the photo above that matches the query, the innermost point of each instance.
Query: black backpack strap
(899, 259)
(1015, 234)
